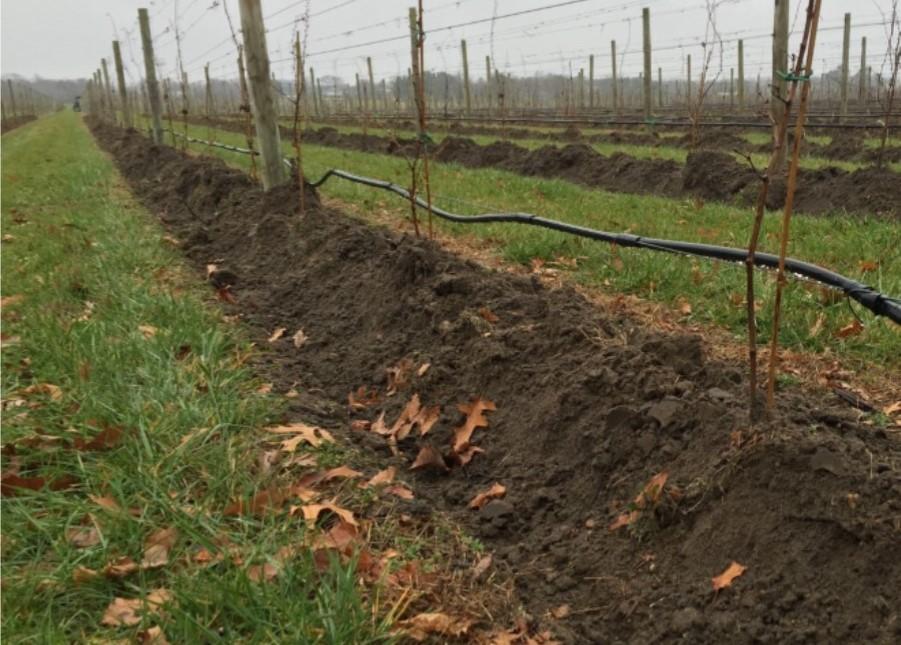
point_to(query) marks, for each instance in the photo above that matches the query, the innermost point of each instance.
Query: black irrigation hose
(880, 304)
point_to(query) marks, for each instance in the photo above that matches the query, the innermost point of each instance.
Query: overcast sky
(67, 38)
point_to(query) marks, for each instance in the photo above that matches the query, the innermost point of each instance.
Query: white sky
(67, 38)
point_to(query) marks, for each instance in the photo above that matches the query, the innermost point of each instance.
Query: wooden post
(322, 106)
(646, 24)
(123, 91)
(107, 91)
(731, 87)
(862, 81)
(261, 99)
(209, 91)
(660, 86)
(153, 88)
(581, 88)
(385, 96)
(373, 107)
(780, 66)
(488, 101)
(846, 51)
(317, 101)
(415, 76)
(591, 81)
(741, 74)
(688, 80)
(359, 95)
(12, 96)
(613, 65)
(466, 90)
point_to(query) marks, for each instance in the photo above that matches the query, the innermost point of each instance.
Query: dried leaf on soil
(120, 567)
(488, 315)
(341, 536)
(103, 440)
(427, 625)
(157, 547)
(301, 433)
(262, 572)
(648, 497)
(475, 418)
(429, 457)
(399, 376)
(423, 369)
(299, 338)
(341, 472)
(726, 577)
(817, 326)
(106, 502)
(560, 612)
(53, 391)
(153, 636)
(382, 477)
(362, 398)
(311, 512)
(399, 490)
(496, 491)
(852, 329)
(148, 331)
(892, 408)
(481, 567)
(82, 537)
(128, 611)
(278, 333)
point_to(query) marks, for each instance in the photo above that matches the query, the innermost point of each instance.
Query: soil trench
(590, 406)
(708, 173)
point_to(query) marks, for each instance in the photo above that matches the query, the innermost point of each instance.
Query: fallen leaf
(429, 457)
(311, 512)
(362, 398)
(488, 315)
(270, 499)
(362, 425)
(12, 482)
(299, 338)
(726, 577)
(382, 477)
(399, 376)
(211, 269)
(107, 503)
(475, 418)
(153, 636)
(426, 625)
(892, 408)
(341, 472)
(466, 456)
(149, 331)
(423, 369)
(262, 572)
(53, 391)
(302, 433)
(120, 567)
(82, 537)
(817, 326)
(560, 612)
(225, 294)
(265, 388)
(103, 440)
(278, 333)
(127, 611)
(9, 301)
(481, 567)
(292, 394)
(852, 329)
(157, 547)
(868, 265)
(685, 308)
(496, 491)
(173, 241)
(341, 536)
(649, 496)
(399, 490)
(83, 574)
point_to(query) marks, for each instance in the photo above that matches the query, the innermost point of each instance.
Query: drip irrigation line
(878, 303)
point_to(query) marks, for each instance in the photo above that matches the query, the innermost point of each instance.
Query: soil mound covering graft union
(590, 407)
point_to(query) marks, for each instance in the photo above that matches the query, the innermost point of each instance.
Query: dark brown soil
(590, 406)
(13, 122)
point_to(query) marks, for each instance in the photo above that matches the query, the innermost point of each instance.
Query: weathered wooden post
(488, 100)
(261, 99)
(466, 90)
(741, 74)
(372, 104)
(614, 84)
(208, 98)
(731, 87)
(688, 80)
(581, 88)
(646, 28)
(846, 51)
(359, 94)
(12, 97)
(591, 81)
(123, 91)
(153, 88)
(317, 100)
(862, 81)
(780, 67)
(660, 87)
(107, 90)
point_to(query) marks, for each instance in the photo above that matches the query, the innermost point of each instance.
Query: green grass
(838, 241)
(78, 238)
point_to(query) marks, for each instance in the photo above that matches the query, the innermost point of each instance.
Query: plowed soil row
(590, 406)
(708, 174)
(13, 122)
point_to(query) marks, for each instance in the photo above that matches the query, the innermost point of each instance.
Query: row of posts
(21, 100)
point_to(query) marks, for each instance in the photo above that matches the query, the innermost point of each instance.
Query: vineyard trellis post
(780, 66)
(107, 91)
(262, 102)
(660, 87)
(12, 97)
(123, 90)
(862, 79)
(316, 100)
(613, 84)
(373, 108)
(846, 52)
(741, 74)
(153, 88)
(688, 81)
(466, 89)
(646, 43)
(488, 101)
(591, 82)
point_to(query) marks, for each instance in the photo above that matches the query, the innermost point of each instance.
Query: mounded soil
(13, 122)
(708, 173)
(590, 406)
